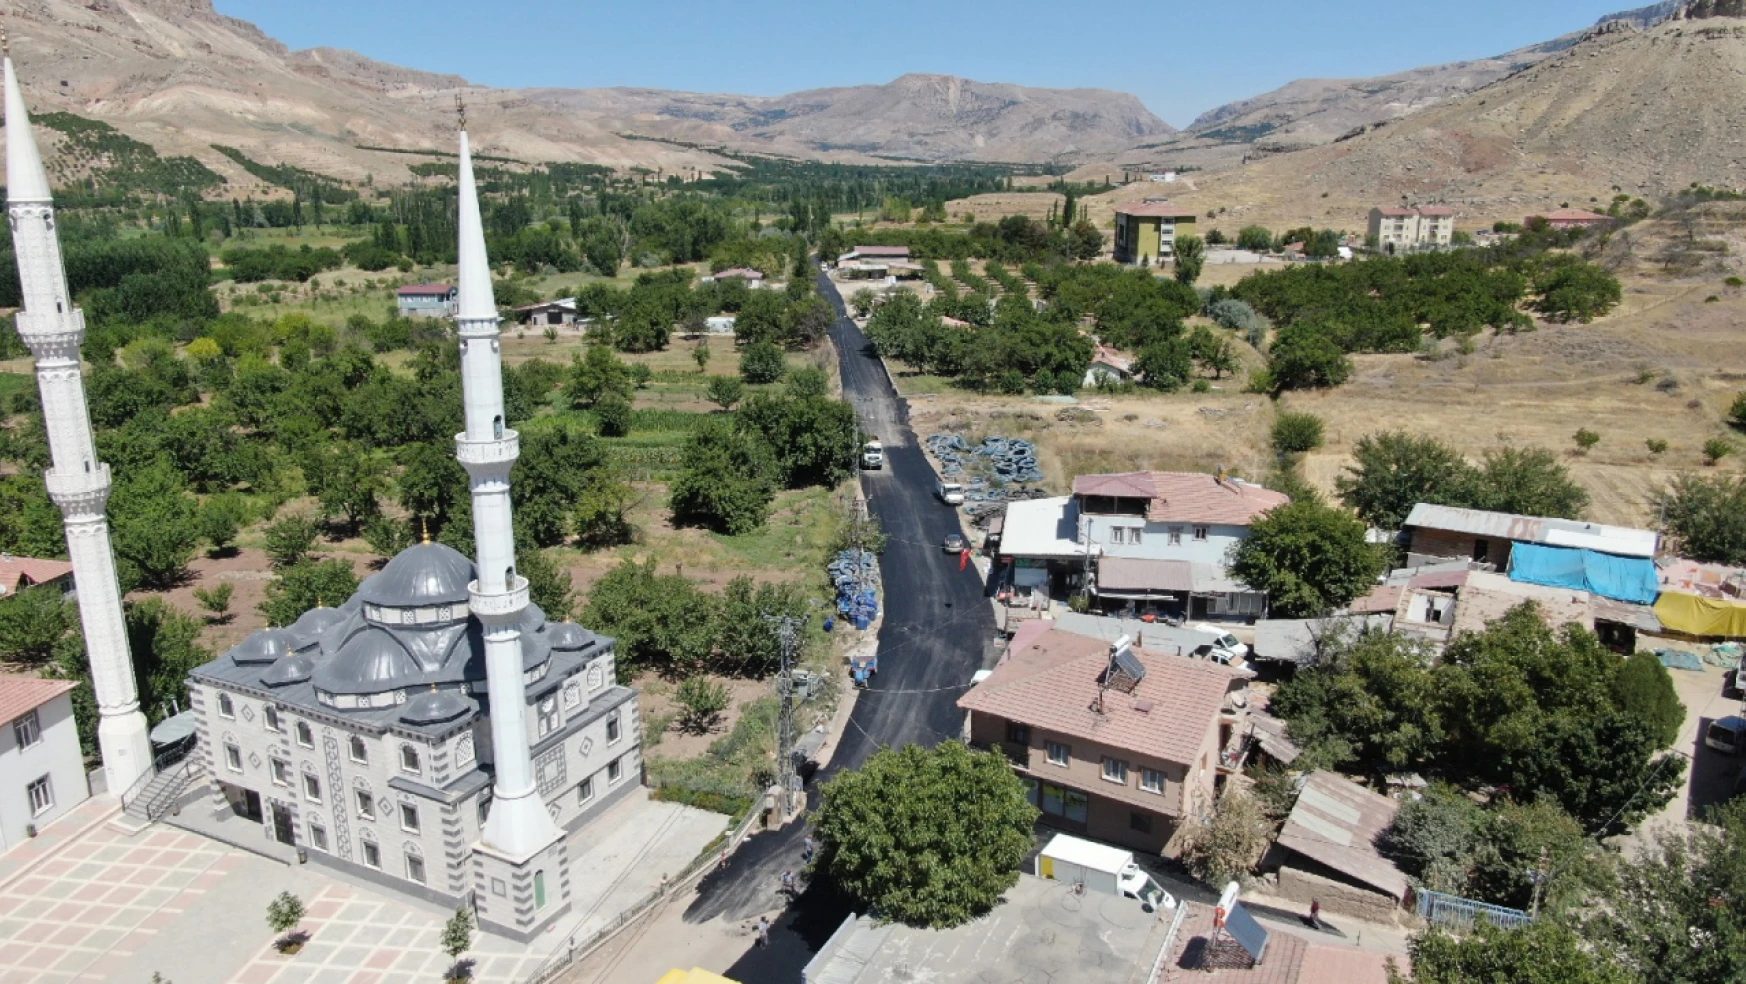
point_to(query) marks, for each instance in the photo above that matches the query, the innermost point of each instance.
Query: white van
(1727, 735)
(873, 455)
(950, 493)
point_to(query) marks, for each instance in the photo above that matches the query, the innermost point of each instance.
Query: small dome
(261, 648)
(370, 662)
(566, 637)
(306, 631)
(420, 576)
(291, 669)
(435, 707)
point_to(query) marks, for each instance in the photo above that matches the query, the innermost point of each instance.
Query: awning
(173, 729)
(1133, 574)
(1696, 615)
(1214, 579)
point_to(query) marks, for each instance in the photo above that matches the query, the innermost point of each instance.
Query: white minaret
(77, 482)
(518, 824)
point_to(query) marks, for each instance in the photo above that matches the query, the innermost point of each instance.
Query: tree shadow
(291, 942)
(461, 971)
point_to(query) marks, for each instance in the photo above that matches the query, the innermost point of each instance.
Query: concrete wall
(1337, 898)
(56, 755)
(1449, 545)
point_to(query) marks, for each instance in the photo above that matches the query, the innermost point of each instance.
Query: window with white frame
(585, 792)
(548, 716)
(270, 717)
(415, 868)
(360, 752)
(372, 853)
(614, 770)
(1200, 534)
(233, 758)
(1059, 754)
(1151, 780)
(572, 696)
(305, 734)
(1118, 535)
(311, 787)
(595, 678)
(317, 836)
(42, 796)
(280, 770)
(409, 759)
(27, 730)
(1174, 535)
(464, 750)
(1136, 534)
(613, 731)
(1115, 770)
(409, 818)
(226, 707)
(366, 804)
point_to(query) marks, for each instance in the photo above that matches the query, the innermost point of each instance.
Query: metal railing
(575, 949)
(153, 794)
(1459, 915)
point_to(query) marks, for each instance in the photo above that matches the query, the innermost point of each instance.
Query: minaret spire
(518, 826)
(52, 328)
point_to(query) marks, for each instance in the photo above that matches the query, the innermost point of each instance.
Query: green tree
(32, 622)
(1574, 290)
(387, 537)
(1528, 481)
(284, 914)
(661, 621)
(221, 519)
(1541, 952)
(1190, 259)
(1737, 412)
(1707, 517)
(1310, 558)
(700, 354)
(1644, 689)
(307, 584)
(725, 391)
(762, 362)
(814, 439)
(1585, 439)
(457, 938)
(926, 837)
(1369, 705)
(603, 506)
(727, 479)
(348, 482)
(1229, 845)
(165, 642)
(289, 540)
(1255, 238)
(1392, 471)
(1303, 357)
(549, 585)
(702, 701)
(612, 414)
(1164, 365)
(1715, 449)
(807, 383)
(431, 485)
(157, 525)
(596, 374)
(216, 600)
(1296, 433)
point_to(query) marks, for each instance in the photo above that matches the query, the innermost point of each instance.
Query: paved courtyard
(101, 905)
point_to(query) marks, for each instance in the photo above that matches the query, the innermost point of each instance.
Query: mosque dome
(435, 707)
(295, 668)
(263, 647)
(420, 576)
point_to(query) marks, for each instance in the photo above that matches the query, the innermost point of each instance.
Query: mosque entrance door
(282, 824)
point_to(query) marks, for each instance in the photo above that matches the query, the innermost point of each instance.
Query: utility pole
(788, 633)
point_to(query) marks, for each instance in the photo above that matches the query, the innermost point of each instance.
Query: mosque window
(409, 759)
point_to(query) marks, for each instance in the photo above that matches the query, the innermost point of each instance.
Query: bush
(703, 701)
(1737, 412)
(1715, 449)
(289, 540)
(613, 416)
(1656, 445)
(1231, 843)
(1585, 439)
(725, 391)
(1296, 433)
(1708, 517)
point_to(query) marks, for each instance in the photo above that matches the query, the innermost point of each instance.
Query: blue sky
(1180, 59)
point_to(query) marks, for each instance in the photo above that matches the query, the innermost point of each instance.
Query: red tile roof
(1397, 213)
(19, 695)
(1155, 210)
(1383, 599)
(426, 290)
(1052, 683)
(1186, 497)
(17, 572)
(1436, 210)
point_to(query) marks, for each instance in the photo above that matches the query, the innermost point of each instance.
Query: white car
(1136, 884)
(950, 493)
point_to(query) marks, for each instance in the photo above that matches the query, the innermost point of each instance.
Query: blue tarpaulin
(1631, 579)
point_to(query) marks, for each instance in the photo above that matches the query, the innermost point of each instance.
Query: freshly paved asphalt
(935, 636)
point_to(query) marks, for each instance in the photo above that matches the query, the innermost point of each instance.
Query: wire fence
(577, 949)
(1459, 915)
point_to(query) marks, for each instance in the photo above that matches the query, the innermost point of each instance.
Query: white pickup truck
(950, 493)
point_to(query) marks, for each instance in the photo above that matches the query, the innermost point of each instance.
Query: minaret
(518, 825)
(52, 328)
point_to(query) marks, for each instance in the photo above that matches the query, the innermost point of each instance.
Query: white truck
(873, 454)
(1219, 645)
(950, 493)
(1100, 868)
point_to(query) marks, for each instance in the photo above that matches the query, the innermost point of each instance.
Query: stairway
(161, 794)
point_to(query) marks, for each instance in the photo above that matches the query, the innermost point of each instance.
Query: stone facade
(1337, 897)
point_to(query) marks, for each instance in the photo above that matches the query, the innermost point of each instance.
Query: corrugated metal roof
(1138, 574)
(1624, 541)
(1337, 823)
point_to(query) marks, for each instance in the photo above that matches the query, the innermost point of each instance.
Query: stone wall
(1338, 898)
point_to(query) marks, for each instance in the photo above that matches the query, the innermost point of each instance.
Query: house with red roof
(1402, 230)
(426, 300)
(1119, 744)
(42, 772)
(18, 573)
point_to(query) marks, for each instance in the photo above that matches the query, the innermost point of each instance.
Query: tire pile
(856, 575)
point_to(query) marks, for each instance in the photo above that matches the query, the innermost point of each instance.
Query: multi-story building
(42, 773)
(1402, 230)
(1146, 231)
(1117, 743)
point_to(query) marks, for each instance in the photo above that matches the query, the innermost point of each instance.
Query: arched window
(360, 751)
(497, 427)
(509, 576)
(464, 750)
(409, 759)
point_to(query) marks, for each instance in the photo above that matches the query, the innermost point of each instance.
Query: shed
(1334, 833)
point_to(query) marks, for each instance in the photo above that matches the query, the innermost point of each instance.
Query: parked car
(1218, 639)
(955, 543)
(1726, 735)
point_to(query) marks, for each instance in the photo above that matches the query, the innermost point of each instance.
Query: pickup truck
(950, 493)
(873, 455)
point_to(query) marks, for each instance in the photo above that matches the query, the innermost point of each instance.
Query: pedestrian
(806, 850)
(763, 931)
(788, 884)
(1316, 913)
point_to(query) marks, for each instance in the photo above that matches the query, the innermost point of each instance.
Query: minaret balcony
(51, 335)
(86, 491)
(496, 451)
(498, 607)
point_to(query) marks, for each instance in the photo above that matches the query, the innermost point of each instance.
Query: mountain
(1643, 112)
(181, 77)
(1312, 112)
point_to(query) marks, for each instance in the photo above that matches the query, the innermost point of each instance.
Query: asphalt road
(935, 636)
